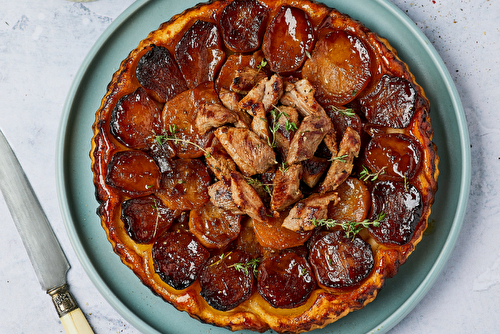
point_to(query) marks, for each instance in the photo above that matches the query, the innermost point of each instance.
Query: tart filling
(264, 164)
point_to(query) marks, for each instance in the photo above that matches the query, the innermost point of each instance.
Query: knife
(42, 246)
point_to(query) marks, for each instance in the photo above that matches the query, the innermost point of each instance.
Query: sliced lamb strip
(306, 140)
(249, 152)
(313, 169)
(286, 187)
(260, 124)
(272, 92)
(211, 116)
(219, 161)
(283, 136)
(246, 198)
(255, 95)
(341, 167)
(301, 96)
(315, 207)
(221, 197)
(230, 101)
(245, 79)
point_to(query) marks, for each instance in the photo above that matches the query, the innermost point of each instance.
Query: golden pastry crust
(325, 304)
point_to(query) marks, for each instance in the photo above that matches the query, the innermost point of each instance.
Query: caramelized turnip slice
(288, 39)
(392, 103)
(199, 53)
(339, 68)
(159, 74)
(213, 226)
(178, 258)
(133, 172)
(339, 261)
(273, 235)
(227, 280)
(354, 202)
(186, 187)
(146, 218)
(242, 25)
(398, 155)
(402, 205)
(285, 280)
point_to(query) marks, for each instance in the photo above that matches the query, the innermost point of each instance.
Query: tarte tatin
(264, 164)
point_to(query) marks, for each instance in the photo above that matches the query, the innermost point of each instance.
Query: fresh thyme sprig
(349, 112)
(365, 174)
(341, 158)
(221, 257)
(263, 63)
(276, 114)
(283, 168)
(254, 182)
(245, 267)
(171, 135)
(155, 207)
(351, 228)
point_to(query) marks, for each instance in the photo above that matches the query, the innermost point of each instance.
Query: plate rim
(415, 297)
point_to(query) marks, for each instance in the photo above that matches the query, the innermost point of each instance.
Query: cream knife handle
(72, 318)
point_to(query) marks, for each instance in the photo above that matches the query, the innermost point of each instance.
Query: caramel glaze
(324, 305)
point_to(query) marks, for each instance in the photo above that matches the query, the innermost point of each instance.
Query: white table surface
(42, 44)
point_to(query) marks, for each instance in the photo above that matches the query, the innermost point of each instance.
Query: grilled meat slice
(249, 152)
(286, 187)
(303, 214)
(211, 116)
(246, 198)
(272, 92)
(301, 96)
(341, 167)
(230, 101)
(219, 161)
(306, 140)
(221, 197)
(245, 79)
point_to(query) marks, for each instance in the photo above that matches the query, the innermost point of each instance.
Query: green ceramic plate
(149, 313)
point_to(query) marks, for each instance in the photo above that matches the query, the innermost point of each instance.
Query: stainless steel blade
(41, 244)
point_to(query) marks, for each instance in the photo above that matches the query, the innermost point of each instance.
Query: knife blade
(42, 246)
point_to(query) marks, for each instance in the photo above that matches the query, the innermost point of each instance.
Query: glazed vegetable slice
(228, 280)
(398, 155)
(158, 73)
(339, 68)
(288, 39)
(213, 226)
(285, 280)
(134, 173)
(402, 205)
(242, 25)
(199, 53)
(146, 218)
(339, 261)
(178, 258)
(392, 103)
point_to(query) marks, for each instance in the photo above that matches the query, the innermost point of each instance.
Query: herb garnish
(341, 158)
(349, 112)
(365, 174)
(351, 228)
(171, 135)
(244, 267)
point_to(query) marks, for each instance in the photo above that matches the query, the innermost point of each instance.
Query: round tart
(264, 164)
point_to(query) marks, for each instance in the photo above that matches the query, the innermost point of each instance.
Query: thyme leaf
(365, 174)
(341, 158)
(351, 228)
(245, 267)
(349, 112)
